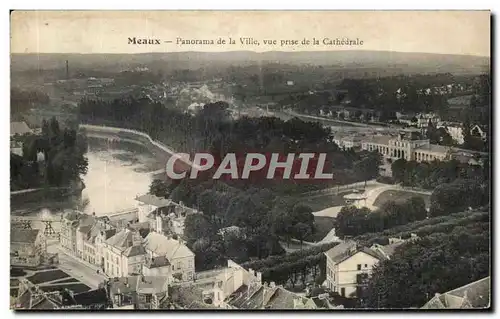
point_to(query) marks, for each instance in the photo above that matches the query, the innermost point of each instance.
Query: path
(77, 268)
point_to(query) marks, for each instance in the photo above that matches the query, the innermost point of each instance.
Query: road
(83, 271)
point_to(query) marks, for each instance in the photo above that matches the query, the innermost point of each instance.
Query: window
(179, 265)
(366, 265)
(148, 298)
(359, 266)
(342, 292)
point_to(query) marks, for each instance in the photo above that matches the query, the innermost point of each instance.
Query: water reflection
(116, 175)
(114, 178)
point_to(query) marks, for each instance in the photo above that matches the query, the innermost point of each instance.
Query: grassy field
(320, 202)
(398, 197)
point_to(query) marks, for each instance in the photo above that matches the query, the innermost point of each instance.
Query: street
(79, 269)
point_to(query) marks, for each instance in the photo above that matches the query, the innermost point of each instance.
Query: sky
(447, 32)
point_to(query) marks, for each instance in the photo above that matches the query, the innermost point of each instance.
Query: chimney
(67, 70)
(272, 284)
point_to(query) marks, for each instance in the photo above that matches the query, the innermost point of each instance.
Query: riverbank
(25, 201)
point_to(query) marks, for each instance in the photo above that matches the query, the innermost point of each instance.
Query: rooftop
(157, 262)
(154, 200)
(474, 295)
(19, 128)
(434, 148)
(26, 236)
(347, 249)
(162, 245)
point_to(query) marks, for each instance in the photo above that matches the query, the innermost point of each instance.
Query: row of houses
(121, 248)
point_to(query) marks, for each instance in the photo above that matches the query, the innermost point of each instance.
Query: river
(116, 174)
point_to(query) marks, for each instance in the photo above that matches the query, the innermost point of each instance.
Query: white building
(123, 254)
(146, 204)
(180, 257)
(409, 149)
(347, 267)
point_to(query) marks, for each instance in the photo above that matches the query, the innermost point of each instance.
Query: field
(399, 197)
(320, 202)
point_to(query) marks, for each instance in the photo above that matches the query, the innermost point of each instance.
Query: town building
(147, 204)
(19, 129)
(164, 215)
(407, 147)
(139, 292)
(123, 254)
(347, 267)
(180, 257)
(69, 237)
(28, 247)
(234, 287)
(91, 235)
(347, 142)
(156, 266)
(474, 295)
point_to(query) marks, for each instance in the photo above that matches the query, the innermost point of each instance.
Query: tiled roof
(122, 239)
(349, 248)
(123, 285)
(151, 284)
(91, 297)
(339, 252)
(474, 295)
(283, 299)
(134, 251)
(157, 262)
(189, 297)
(85, 229)
(19, 128)
(23, 235)
(162, 245)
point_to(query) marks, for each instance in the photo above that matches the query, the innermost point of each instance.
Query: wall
(347, 270)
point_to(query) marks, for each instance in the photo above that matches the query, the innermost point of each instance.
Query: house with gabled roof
(180, 257)
(123, 253)
(474, 295)
(348, 265)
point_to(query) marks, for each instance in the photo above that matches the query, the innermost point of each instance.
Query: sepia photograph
(250, 160)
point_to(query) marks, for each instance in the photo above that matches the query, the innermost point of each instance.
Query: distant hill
(413, 62)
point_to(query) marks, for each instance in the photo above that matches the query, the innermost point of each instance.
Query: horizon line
(250, 51)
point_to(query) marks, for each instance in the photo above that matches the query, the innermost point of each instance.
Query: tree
(435, 264)
(398, 169)
(301, 231)
(368, 167)
(159, 188)
(197, 226)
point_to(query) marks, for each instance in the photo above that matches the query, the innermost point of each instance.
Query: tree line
(62, 163)
(353, 221)
(429, 175)
(214, 131)
(437, 263)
